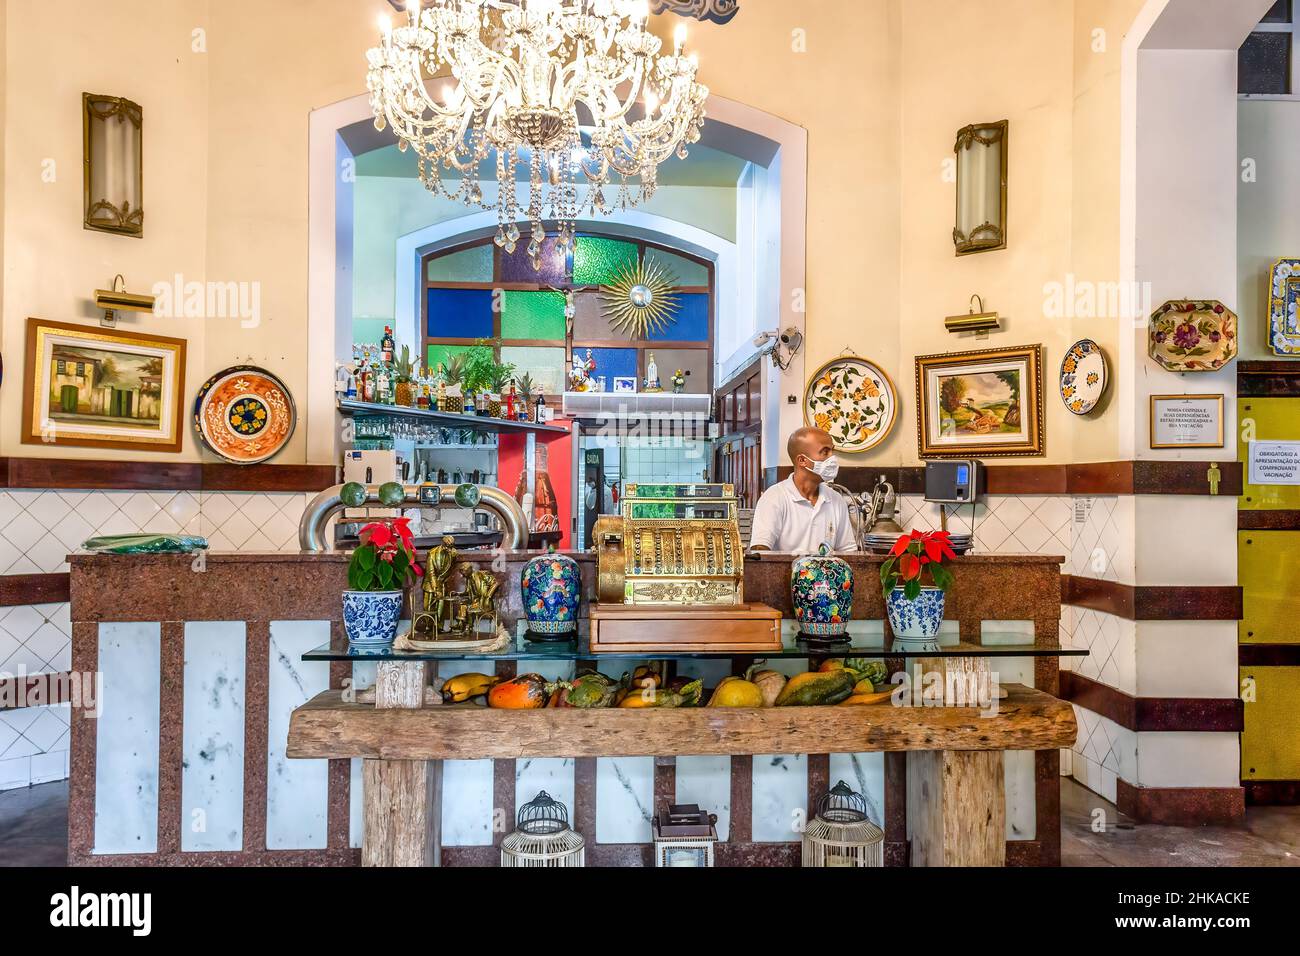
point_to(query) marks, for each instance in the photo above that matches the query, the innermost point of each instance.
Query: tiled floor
(34, 832)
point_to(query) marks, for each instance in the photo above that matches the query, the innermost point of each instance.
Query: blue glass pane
(613, 363)
(460, 314)
(690, 321)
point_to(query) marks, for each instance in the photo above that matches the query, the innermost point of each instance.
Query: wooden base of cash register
(744, 628)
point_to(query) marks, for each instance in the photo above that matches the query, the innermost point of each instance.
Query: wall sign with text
(1275, 463)
(1186, 421)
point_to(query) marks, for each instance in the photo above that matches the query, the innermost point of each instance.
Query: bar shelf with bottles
(380, 384)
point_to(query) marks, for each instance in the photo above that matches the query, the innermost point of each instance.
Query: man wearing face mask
(802, 513)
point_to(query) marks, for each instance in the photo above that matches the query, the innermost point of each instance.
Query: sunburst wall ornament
(641, 300)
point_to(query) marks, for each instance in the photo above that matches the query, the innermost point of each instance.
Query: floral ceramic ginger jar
(821, 589)
(550, 587)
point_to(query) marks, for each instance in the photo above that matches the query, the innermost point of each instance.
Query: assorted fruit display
(837, 681)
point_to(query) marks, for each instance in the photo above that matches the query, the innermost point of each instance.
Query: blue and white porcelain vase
(550, 587)
(915, 622)
(370, 617)
(821, 590)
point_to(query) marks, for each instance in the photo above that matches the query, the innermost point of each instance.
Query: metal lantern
(542, 836)
(840, 834)
(684, 836)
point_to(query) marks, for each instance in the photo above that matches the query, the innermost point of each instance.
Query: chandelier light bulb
(386, 27)
(679, 39)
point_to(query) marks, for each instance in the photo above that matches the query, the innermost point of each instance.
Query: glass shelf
(479, 423)
(521, 649)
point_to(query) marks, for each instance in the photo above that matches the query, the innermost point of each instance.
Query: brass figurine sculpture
(449, 613)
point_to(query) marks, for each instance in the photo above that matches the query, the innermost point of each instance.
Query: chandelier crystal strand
(554, 84)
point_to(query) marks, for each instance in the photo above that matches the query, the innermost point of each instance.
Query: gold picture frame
(982, 404)
(1213, 400)
(91, 387)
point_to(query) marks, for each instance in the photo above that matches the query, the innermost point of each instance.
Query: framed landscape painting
(102, 388)
(983, 404)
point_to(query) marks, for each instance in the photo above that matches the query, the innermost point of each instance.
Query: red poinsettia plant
(386, 560)
(915, 557)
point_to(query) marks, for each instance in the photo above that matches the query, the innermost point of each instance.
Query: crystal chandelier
(552, 84)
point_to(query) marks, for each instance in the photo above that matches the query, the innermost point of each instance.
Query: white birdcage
(684, 836)
(543, 837)
(840, 834)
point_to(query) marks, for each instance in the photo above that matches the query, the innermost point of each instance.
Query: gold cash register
(670, 575)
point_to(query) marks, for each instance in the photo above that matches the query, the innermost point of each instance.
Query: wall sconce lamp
(112, 139)
(116, 300)
(981, 188)
(980, 322)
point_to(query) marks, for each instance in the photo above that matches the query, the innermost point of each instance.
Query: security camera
(766, 342)
(792, 339)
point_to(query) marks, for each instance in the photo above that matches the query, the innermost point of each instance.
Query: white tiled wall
(38, 529)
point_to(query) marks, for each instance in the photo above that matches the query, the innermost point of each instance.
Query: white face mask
(825, 470)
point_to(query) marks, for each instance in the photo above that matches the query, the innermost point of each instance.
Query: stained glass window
(546, 366)
(532, 315)
(469, 265)
(615, 363)
(687, 272)
(460, 314)
(517, 267)
(480, 292)
(598, 261)
(690, 322)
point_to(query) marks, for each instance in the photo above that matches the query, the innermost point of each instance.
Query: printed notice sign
(1186, 421)
(1275, 463)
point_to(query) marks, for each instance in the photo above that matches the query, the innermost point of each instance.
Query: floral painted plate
(853, 400)
(1193, 335)
(1283, 320)
(244, 414)
(1083, 376)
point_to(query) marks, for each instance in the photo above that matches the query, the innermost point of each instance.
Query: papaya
(688, 696)
(817, 688)
(591, 691)
(526, 692)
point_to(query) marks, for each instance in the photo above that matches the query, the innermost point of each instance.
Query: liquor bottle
(510, 402)
(365, 374)
(384, 385)
(386, 346)
(541, 408)
(442, 388)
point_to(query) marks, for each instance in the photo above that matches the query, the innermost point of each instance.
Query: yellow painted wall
(881, 85)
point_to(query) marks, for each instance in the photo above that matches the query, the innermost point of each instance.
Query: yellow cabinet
(1267, 419)
(1268, 567)
(1270, 744)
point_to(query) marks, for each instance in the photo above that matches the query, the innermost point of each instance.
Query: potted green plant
(527, 388)
(916, 608)
(499, 381)
(378, 573)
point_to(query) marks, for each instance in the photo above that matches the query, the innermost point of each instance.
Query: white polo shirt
(787, 521)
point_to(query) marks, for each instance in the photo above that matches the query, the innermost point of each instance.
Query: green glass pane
(546, 366)
(532, 315)
(597, 261)
(686, 271)
(440, 353)
(469, 265)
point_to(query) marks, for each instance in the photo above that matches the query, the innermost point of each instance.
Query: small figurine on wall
(580, 377)
(651, 374)
(679, 381)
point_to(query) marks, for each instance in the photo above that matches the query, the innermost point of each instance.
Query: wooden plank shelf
(328, 727)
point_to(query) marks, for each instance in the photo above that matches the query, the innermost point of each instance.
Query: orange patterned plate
(244, 414)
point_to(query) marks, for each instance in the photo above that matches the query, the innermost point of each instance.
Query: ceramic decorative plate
(1193, 335)
(1083, 376)
(244, 414)
(1283, 320)
(853, 400)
